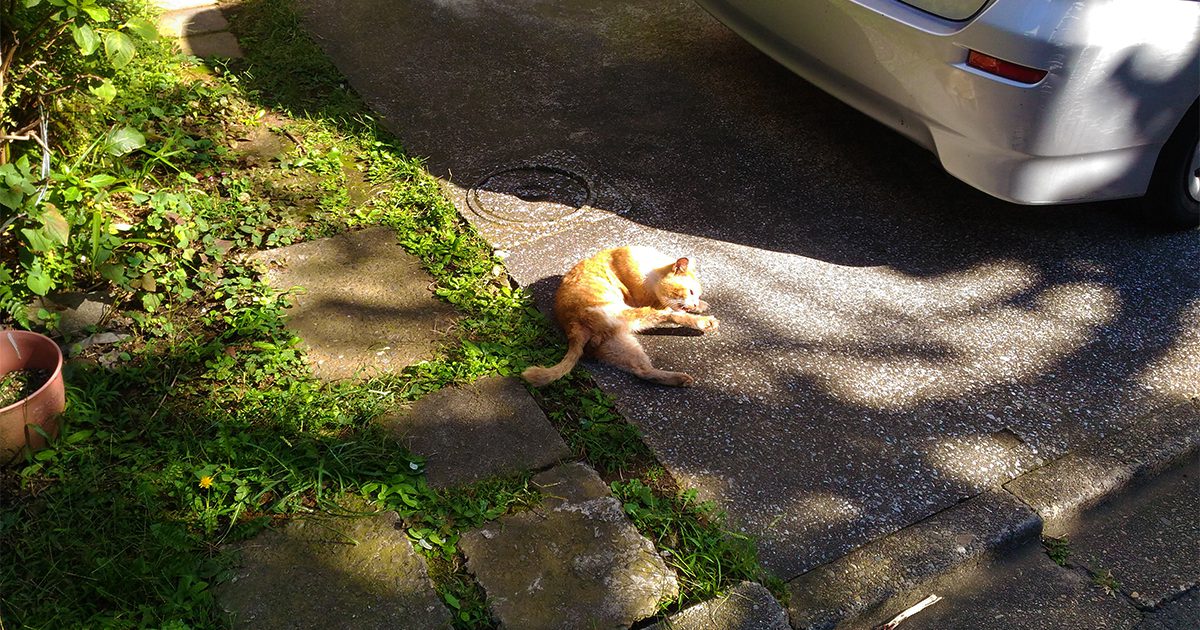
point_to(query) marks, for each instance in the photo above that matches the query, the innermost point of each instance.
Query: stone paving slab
(1025, 590)
(175, 5)
(1063, 488)
(223, 45)
(489, 428)
(333, 572)
(192, 21)
(1148, 537)
(860, 583)
(576, 562)
(747, 606)
(1179, 614)
(367, 305)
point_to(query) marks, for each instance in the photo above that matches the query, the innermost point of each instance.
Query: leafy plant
(1106, 581)
(56, 47)
(1059, 549)
(55, 51)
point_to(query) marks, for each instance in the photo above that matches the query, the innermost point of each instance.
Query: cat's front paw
(707, 324)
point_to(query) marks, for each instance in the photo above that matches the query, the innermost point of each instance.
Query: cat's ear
(681, 266)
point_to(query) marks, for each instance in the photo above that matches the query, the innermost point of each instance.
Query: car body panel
(1121, 74)
(949, 9)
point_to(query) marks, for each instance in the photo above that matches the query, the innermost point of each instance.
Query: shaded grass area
(204, 427)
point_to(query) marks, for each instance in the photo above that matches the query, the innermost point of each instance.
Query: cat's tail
(577, 338)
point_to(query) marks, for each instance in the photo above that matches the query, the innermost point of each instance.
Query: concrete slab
(747, 606)
(1149, 538)
(892, 341)
(367, 306)
(222, 45)
(575, 563)
(1025, 591)
(192, 21)
(860, 584)
(1179, 614)
(1061, 490)
(333, 572)
(175, 5)
(489, 428)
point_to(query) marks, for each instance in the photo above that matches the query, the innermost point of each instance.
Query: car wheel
(1173, 199)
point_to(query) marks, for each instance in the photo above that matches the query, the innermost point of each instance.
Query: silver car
(1031, 101)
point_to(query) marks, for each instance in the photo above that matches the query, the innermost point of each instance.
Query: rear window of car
(949, 9)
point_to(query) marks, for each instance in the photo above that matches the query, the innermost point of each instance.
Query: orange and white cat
(607, 298)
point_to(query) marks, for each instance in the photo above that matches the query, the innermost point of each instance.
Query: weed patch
(1059, 549)
(694, 540)
(1105, 580)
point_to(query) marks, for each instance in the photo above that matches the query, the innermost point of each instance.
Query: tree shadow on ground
(709, 142)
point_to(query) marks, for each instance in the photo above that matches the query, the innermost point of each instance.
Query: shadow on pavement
(892, 342)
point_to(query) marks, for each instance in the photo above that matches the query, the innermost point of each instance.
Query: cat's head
(679, 288)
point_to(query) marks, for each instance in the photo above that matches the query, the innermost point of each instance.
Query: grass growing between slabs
(202, 426)
(694, 540)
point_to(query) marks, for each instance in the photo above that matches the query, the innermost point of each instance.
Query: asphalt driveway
(892, 341)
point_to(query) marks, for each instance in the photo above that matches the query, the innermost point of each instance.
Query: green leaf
(101, 181)
(143, 28)
(119, 48)
(113, 273)
(11, 198)
(106, 91)
(86, 39)
(38, 282)
(38, 241)
(96, 12)
(29, 4)
(151, 301)
(124, 140)
(18, 179)
(452, 600)
(79, 436)
(55, 225)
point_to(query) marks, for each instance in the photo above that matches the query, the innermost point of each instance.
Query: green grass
(205, 426)
(693, 536)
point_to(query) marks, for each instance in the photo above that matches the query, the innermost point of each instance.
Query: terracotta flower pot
(24, 350)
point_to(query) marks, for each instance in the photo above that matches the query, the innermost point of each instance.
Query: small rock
(100, 339)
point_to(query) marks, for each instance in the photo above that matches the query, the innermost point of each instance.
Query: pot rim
(58, 365)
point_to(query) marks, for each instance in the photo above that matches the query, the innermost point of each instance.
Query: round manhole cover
(530, 195)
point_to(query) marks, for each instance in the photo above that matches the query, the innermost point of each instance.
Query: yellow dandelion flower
(206, 481)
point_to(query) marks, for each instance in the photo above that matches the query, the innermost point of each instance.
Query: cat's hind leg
(622, 350)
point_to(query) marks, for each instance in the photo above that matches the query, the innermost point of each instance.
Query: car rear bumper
(1092, 129)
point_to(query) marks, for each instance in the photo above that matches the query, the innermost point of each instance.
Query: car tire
(1173, 198)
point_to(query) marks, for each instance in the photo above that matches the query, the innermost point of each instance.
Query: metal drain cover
(530, 195)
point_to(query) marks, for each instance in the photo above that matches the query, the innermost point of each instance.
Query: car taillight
(1002, 68)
